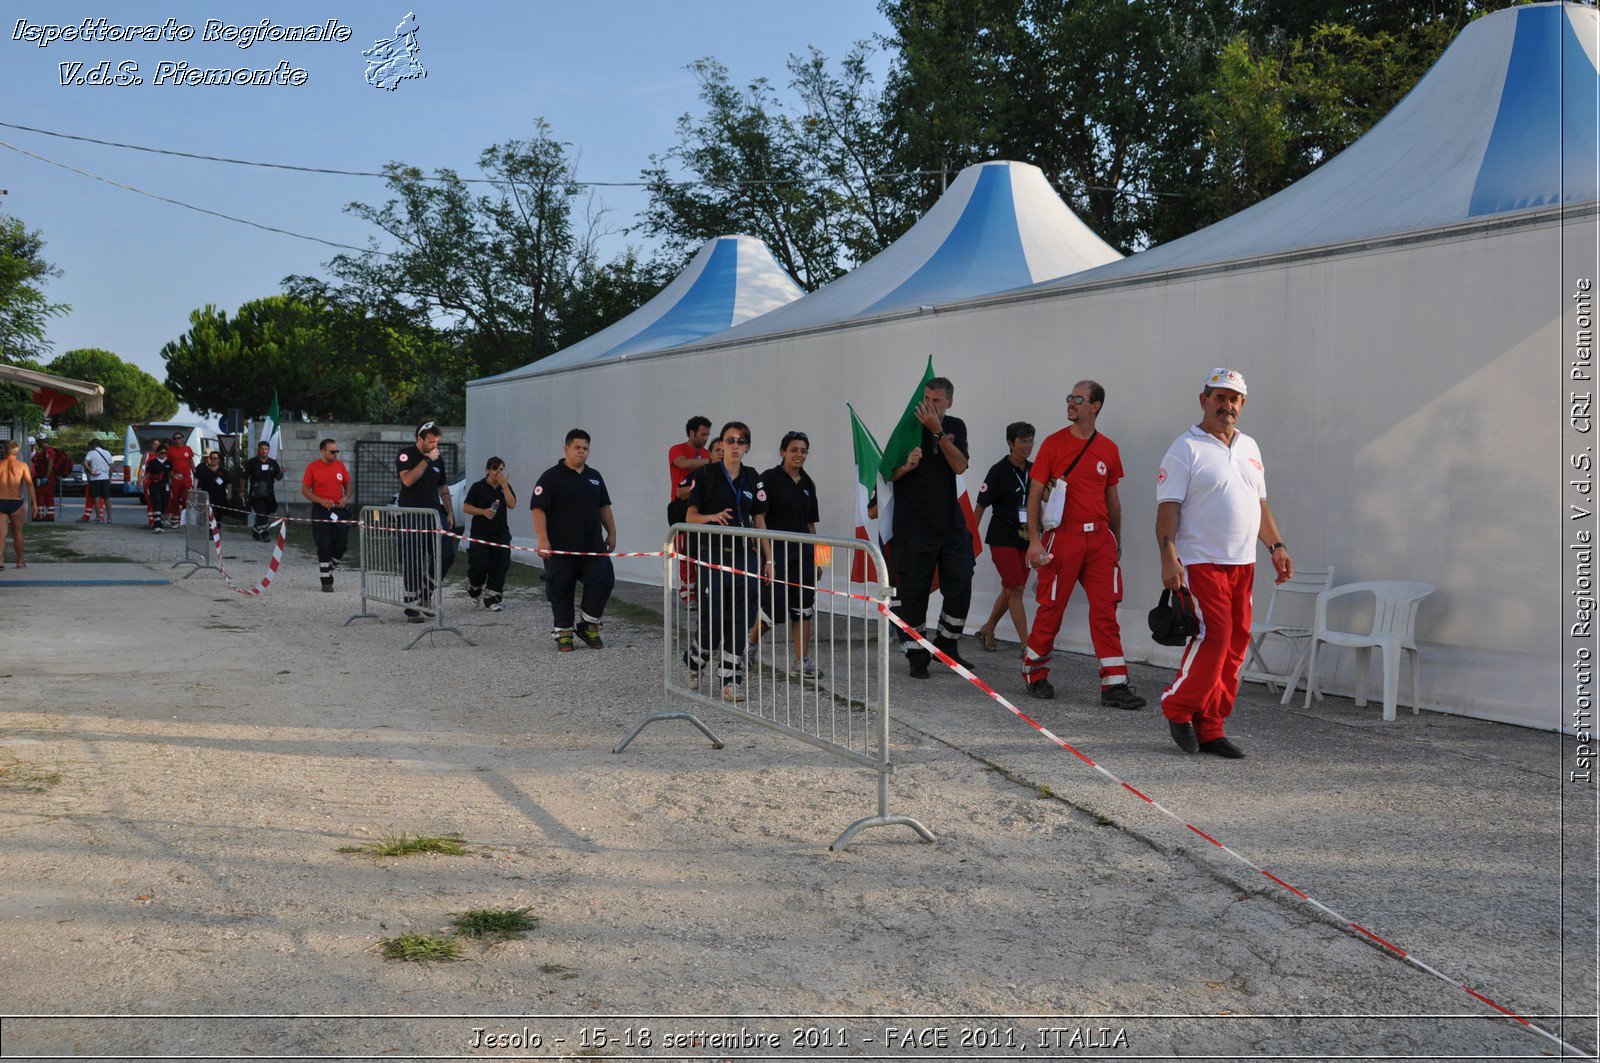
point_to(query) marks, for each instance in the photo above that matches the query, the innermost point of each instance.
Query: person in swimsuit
(16, 478)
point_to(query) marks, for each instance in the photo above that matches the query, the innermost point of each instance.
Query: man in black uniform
(157, 485)
(572, 511)
(488, 503)
(261, 476)
(423, 486)
(929, 529)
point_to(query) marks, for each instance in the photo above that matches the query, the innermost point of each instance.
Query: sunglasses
(740, 441)
(1076, 400)
(333, 451)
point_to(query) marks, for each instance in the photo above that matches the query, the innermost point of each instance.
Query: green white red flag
(905, 438)
(869, 456)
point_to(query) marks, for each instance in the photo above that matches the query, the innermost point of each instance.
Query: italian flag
(868, 457)
(905, 438)
(272, 429)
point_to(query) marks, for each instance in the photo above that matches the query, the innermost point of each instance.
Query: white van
(136, 444)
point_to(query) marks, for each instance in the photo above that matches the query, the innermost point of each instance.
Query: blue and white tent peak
(731, 279)
(1504, 121)
(999, 226)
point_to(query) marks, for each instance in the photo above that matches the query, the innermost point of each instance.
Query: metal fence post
(196, 533)
(402, 563)
(736, 656)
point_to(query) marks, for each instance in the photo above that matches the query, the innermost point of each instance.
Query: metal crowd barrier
(197, 549)
(833, 694)
(401, 566)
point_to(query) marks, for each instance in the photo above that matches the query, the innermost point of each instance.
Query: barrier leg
(716, 743)
(882, 819)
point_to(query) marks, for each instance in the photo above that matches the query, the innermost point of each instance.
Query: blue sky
(608, 75)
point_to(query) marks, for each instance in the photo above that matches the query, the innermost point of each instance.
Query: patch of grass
(556, 968)
(501, 924)
(1045, 792)
(26, 779)
(1104, 821)
(421, 948)
(406, 845)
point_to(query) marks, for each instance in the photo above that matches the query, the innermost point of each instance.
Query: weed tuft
(502, 924)
(405, 845)
(421, 948)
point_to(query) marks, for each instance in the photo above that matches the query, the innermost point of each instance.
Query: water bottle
(494, 510)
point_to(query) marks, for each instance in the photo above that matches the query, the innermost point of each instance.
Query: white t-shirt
(97, 463)
(1221, 489)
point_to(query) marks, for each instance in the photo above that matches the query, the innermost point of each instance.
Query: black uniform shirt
(214, 482)
(495, 529)
(158, 470)
(791, 506)
(572, 502)
(263, 470)
(714, 491)
(925, 500)
(1005, 492)
(424, 493)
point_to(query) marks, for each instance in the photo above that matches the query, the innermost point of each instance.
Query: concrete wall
(1407, 395)
(300, 449)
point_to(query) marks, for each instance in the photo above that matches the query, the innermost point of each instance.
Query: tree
(133, 396)
(24, 309)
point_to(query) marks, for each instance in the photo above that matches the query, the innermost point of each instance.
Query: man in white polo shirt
(1211, 496)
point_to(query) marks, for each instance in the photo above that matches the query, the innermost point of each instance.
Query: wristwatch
(1276, 547)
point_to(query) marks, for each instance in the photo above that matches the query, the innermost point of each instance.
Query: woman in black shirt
(791, 507)
(213, 481)
(1005, 490)
(727, 493)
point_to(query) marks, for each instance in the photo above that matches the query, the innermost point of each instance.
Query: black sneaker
(1121, 696)
(919, 668)
(590, 634)
(948, 648)
(1183, 734)
(327, 586)
(1221, 747)
(1041, 689)
(414, 616)
(564, 641)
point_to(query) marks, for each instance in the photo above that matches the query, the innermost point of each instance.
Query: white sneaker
(694, 679)
(733, 692)
(493, 607)
(805, 668)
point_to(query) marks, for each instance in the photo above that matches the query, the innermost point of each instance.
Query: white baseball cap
(32, 441)
(1231, 379)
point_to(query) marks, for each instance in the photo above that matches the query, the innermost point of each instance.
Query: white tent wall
(1408, 397)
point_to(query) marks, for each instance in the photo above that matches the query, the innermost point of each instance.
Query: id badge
(1022, 516)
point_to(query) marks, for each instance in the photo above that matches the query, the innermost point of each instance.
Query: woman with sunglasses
(791, 507)
(728, 494)
(213, 480)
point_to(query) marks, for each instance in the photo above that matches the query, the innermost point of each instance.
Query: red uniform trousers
(45, 488)
(1090, 558)
(178, 496)
(1207, 683)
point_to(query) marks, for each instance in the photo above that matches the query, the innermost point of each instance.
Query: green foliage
(133, 396)
(406, 845)
(421, 948)
(24, 310)
(500, 923)
(811, 184)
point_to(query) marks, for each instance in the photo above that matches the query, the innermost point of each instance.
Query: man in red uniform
(1084, 548)
(43, 462)
(682, 460)
(182, 458)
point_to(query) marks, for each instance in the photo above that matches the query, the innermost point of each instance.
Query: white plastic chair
(1309, 581)
(1394, 620)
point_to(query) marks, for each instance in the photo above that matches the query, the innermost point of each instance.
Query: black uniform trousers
(486, 569)
(729, 602)
(916, 558)
(260, 510)
(562, 576)
(332, 539)
(157, 494)
(416, 563)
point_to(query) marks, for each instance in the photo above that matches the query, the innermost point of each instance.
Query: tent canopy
(57, 394)
(730, 279)
(1504, 121)
(999, 226)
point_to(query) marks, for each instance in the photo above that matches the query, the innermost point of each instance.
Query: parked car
(75, 484)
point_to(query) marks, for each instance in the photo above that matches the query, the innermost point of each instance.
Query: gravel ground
(183, 765)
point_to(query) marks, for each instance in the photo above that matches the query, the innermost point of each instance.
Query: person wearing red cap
(1211, 508)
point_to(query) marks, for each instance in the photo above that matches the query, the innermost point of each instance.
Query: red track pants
(46, 493)
(178, 497)
(1208, 676)
(1083, 557)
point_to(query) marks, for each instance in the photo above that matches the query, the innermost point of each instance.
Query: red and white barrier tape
(272, 565)
(1246, 861)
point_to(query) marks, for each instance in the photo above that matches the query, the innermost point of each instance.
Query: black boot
(947, 646)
